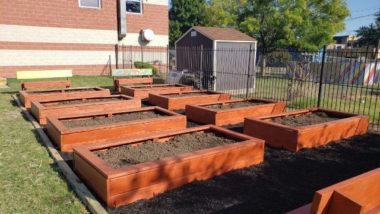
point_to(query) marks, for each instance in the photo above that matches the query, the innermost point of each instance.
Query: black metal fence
(155, 57)
(332, 79)
(342, 80)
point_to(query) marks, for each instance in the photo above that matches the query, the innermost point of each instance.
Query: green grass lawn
(29, 180)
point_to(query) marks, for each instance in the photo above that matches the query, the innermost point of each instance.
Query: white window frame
(100, 5)
(134, 13)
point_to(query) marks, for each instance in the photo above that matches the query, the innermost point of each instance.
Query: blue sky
(361, 14)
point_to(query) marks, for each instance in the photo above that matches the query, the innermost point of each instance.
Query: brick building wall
(58, 34)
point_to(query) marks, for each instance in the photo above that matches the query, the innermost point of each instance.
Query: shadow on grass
(9, 92)
(13, 103)
(285, 181)
(35, 133)
(56, 168)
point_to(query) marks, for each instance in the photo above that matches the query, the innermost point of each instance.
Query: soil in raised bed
(305, 119)
(153, 86)
(152, 150)
(283, 182)
(62, 91)
(187, 94)
(235, 105)
(82, 101)
(116, 118)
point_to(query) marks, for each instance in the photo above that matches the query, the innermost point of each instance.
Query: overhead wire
(359, 17)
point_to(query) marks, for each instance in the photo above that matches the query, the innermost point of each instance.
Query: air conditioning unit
(148, 35)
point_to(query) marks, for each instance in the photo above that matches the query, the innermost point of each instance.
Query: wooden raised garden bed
(178, 100)
(67, 132)
(357, 195)
(44, 74)
(45, 85)
(305, 128)
(72, 107)
(132, 169)
(232, 111)
(132, 81)
(27, 97)
(142, 91)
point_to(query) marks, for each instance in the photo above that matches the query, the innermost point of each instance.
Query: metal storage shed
(224, 57)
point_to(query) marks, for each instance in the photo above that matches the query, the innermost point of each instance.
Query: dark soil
(82, 101)
(305, 119)
(62, 91)
(151, 150)
(285, 181)
(235, 105)
(186, 94)
(101, 120)
(153, 86)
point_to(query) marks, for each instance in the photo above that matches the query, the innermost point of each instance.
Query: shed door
(235, 67)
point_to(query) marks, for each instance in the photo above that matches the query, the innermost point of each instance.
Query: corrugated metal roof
(217, 33)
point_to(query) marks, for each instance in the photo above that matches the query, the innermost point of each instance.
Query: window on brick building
(90, 3)
(134, 6)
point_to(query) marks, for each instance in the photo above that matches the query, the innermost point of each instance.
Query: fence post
(123, 55)
(131, 50)
(249, 71)
(167, 60)
(110, 62)
(321, 77)
(201, 69)
(142, 55)
(117, 56)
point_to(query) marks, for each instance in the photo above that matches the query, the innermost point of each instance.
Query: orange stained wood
(203, 114)
(142, 181)
(142, 91)
(168, 101)
(97, 179)
(45, 84)
(27, 97)
(297, 138)
(67, 138)
(41, 110)
(357, 195)
(132, 81)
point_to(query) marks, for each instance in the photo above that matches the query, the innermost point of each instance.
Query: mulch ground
(284, 181)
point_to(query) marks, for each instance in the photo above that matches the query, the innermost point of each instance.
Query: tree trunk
(263, 64)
